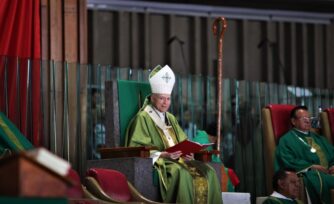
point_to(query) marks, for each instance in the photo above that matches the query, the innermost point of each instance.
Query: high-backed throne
(123, 100)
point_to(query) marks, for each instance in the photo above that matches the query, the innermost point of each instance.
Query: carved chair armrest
(88, 198)
(118, 152)
(88, 194)
(95, 189)
(137, 196)
(205, 155)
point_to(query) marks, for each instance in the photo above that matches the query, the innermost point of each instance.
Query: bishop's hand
(188, 157)
(171, 155)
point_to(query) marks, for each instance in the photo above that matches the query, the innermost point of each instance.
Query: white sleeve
(155, 156)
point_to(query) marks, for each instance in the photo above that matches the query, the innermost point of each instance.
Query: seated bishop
(181, 178)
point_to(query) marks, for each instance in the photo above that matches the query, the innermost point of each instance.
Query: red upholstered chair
(327, 124)
(276, 122)
(111, 185)
(78, 192)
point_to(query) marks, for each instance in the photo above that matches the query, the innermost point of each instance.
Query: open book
(187, 147)
(49, 160)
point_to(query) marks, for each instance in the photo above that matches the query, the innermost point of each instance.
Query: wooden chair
(123, 100)
(78, 193)
(275, 119)
(77, 190)
(111, 185)
(327, 124)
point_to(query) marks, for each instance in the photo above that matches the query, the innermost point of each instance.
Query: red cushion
(74, 191)
(113, 182)
(280, 116)
(330, 112)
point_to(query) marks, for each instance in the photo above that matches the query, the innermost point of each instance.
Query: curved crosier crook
(215, 26)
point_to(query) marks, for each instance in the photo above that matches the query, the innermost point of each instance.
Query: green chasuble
(275, 200)
(294, 151)
(11, 139)
(179, 181)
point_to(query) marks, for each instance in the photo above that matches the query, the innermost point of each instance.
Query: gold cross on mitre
(166, 77)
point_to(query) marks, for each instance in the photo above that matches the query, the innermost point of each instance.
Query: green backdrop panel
(131, 95)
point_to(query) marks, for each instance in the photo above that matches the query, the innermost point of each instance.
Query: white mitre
(162, 80)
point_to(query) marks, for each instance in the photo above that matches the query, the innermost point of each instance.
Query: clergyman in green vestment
(181, 178)
(286, 188)
(308, 154)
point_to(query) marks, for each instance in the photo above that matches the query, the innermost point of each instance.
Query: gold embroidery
(200, 184)
(319, 152)
(10, 134)
(163, 136)
(201, 189)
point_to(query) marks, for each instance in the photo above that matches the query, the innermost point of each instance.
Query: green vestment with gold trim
(294, 151)
(11, 139)
(179, 181)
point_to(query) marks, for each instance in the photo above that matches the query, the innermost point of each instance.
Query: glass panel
(211, 103)
(57, 107)
(227, 136)
(65, 133)
(96, 106)
(248, 136)
(45, 97)
(123, 73)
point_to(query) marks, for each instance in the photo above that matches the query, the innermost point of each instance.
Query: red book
(187, 147)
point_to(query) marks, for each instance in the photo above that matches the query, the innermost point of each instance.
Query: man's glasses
(307, 119)
(313, 120)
